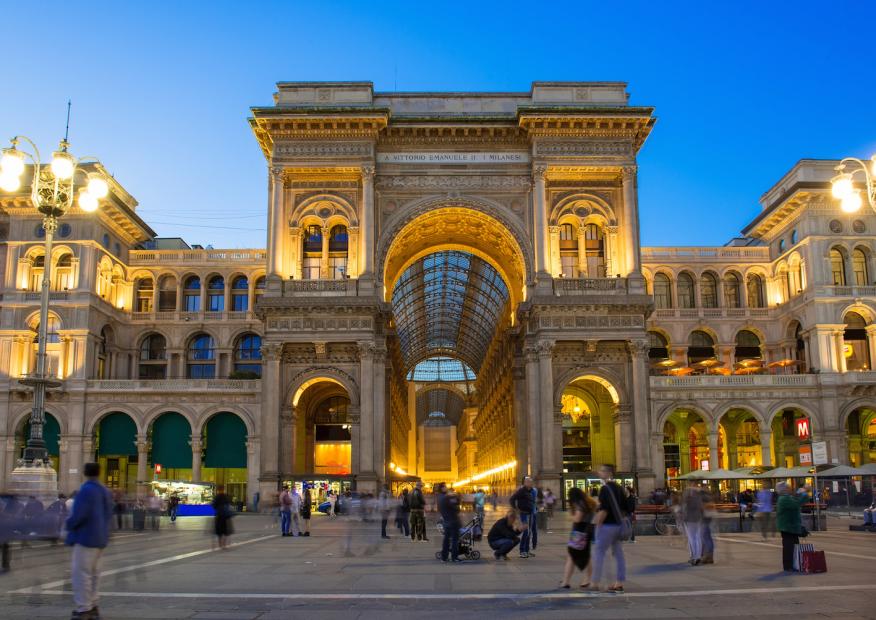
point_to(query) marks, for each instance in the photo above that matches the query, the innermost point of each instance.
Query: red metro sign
(804, 431)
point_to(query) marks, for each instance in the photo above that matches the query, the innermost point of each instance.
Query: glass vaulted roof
(441, 400)
(442, 369)
(448, 304)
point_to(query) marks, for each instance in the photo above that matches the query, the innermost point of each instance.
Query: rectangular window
(193, 303)
(167, 301)
(337, 267)
(239, 303)
(310, 268)
(215, 303)
(569, 266)
(201, 371)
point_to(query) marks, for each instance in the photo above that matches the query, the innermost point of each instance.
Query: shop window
(201, 357)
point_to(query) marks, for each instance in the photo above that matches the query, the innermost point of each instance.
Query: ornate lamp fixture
(843, 187)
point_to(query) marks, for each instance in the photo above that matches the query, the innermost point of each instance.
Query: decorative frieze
(584, 148)
(454, 182)
(312, 150)
(319, 324)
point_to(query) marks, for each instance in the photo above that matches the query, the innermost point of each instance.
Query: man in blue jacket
(88, 532)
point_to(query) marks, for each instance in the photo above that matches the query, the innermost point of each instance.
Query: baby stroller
(470, 533)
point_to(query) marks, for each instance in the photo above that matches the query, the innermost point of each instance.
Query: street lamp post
(843, 187)
(52, 193)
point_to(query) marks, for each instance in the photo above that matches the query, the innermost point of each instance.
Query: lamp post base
(34, 480)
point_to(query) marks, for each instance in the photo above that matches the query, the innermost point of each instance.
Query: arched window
(53, 347)
(837, 267)
(312, 254)
(64, 273)
(754, 284)
(732, 297)
(167, 294)
(747, 346)
(569, 251)
(855, 348)
(216, 294)
(859, 267)
(658, 348)
(248, 354)
(103, 369)
(701, 347)
(144, 295)
(338, 243)
(785, 284)
(153, 357)
(37, 269)
(258, 289)
(800, 347)
(201, 358)
(192, 294)
(709, 290)
(240, 294)
(686, 294)
(594, 247)
(662, 291)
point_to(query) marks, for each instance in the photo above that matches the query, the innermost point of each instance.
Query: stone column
(287, 447)
(196, 458)
(355, 438)
(540, 219)
(142, 456)
(610, 251)
(324, 258)
(582, 252)
(658, 459)
(871, 345)
(411, 466)
(277, 223)
(766, 442)
(556, 262)
(713, 451)
(631, 220)
(533, 434)
(546, 406)
(365, 445)
(827, 354)
(367, 225)
(640, 391)
(352, 252)
(623, 437)
(380, 413)
(270, 418)
(252, 472)
(520, 413)
(297, 249)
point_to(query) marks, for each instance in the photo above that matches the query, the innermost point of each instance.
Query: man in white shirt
(295, 509)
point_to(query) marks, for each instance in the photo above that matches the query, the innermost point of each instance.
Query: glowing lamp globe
(9, 182)
(97, 186)
(87, 202)
(851, 203)
(12, 162)
(62, 165)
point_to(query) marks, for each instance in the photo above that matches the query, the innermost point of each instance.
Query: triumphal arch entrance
(454, 286)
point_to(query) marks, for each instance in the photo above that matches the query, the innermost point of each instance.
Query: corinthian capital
(277, 173)
(538, 172)
(271, 351)
(628, 173)
(368, 172)
(545, 348)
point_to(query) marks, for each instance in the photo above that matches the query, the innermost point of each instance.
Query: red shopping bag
(813, 562)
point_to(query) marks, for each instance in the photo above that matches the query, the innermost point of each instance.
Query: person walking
(478, 502)
(403, 513)
(632, 503)
(448, 506)
(222, 516)
(763, 506)
(607, 530)
(692, 514)
(333, 502)
(583, 508)
(173, 507)
(789, 521)
(285, 510)
(494, 499)
(306, 507)
(418, 514)
(385, 507)
(295, 512)
(88, 533)
(523, 502)
(504, 535)
(549, 501)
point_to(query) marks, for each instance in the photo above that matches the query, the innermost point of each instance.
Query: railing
(170, 385)
(590, 286)
(735, 380)
(846, 291)
(167, 315)
(162, 257)
(710, 313)
(735, 253)
(53, 296)
(332, 287)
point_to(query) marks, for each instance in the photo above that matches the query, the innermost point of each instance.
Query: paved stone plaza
(174, 574)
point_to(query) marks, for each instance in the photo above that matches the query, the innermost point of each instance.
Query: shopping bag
(813, 562)
(798, 554)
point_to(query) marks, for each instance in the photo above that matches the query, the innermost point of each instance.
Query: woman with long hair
(583, 507)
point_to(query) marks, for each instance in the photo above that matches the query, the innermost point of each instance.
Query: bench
(652, 509)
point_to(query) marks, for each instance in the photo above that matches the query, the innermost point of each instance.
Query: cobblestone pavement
(174, 574)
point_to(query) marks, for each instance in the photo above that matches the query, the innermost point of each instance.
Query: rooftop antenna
(67, 128)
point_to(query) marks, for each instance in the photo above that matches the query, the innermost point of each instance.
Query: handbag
(799, 550)
(626, 526)
(813, 562)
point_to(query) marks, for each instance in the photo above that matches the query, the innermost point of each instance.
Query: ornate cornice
(453, 182)
(325, 149)
(584, 148)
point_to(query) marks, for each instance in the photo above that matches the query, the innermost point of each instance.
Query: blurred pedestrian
(403, 513)
(494, 499)
(448, 506)
(306, 507)
(88, 533)
(119, 509)
(789, 521)
(384, 506)
(295, 511)
(583, 508)
(608, 530)
(153, 508)
(523, 501)
(333, 505)
(478, 502)
(33, 516)
(56, 514)
(764, 510)
(418, 514)
(285, 511)
(504, 535)
(173, 507)
(549, 501)
(692, 514)
(632, 503)
(222, 516)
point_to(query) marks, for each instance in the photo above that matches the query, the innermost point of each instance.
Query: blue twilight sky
(161, 90)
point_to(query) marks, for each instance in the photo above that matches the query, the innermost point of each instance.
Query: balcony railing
(734, 380)
(710, 313)
(192, 316)
(590, 286)
(175, 385)
(709, 253)
(846, 291)
(321, 287)
(194, 257)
